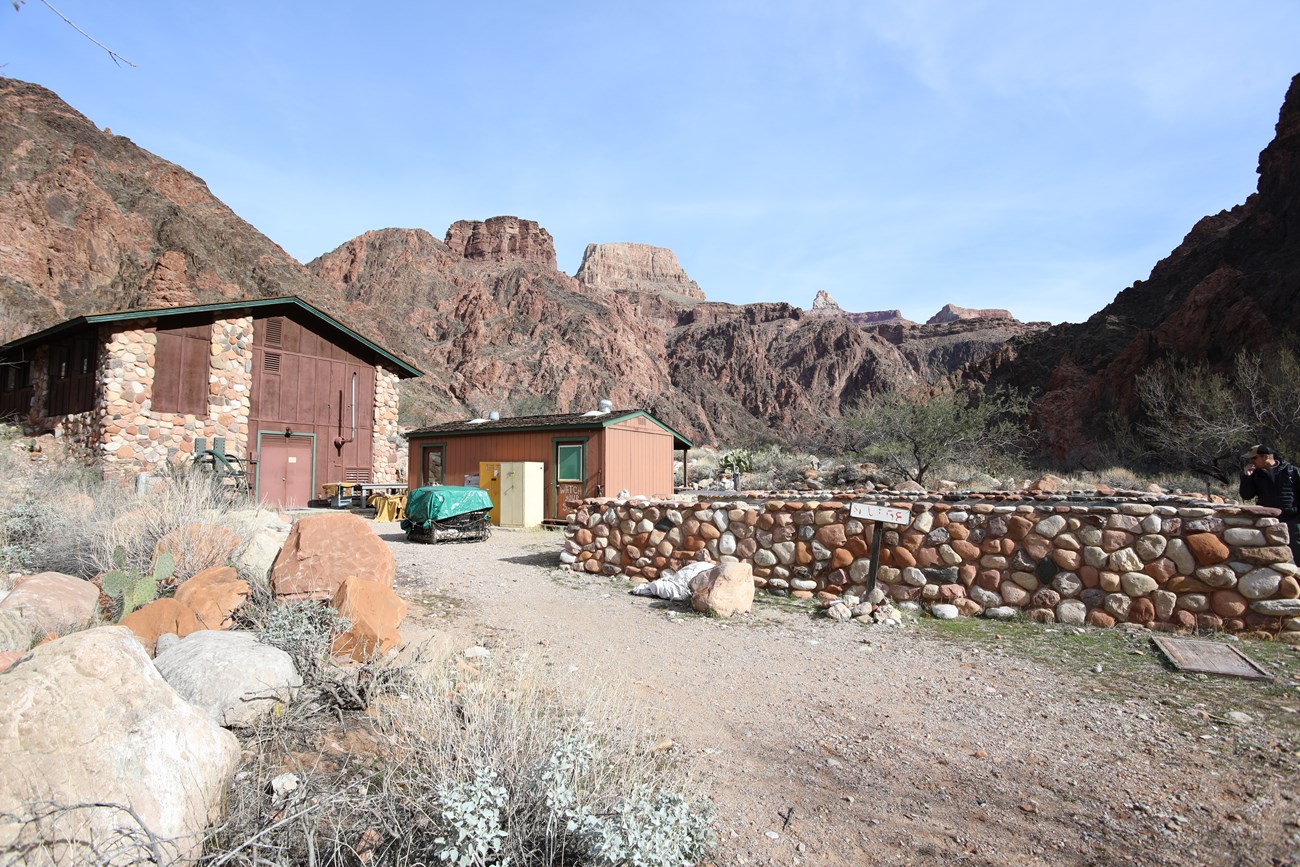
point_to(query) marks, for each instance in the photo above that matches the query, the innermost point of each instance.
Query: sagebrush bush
(475, 762)
(304, 630)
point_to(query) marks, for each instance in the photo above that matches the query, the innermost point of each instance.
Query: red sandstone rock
(374, 612)
(214, 595)
(1228, 603)
(323, 550)
(1097, 617)
(1142, 610)
(161, 617)
(1207, 548)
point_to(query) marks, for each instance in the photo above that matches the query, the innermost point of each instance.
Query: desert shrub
(304, 630)
(43, 505)
(173, 503)
(471, 762)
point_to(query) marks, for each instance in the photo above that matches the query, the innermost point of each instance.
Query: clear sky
(1037, 156)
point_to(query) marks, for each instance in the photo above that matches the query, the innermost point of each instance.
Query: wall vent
(274, 332)
(271, 362)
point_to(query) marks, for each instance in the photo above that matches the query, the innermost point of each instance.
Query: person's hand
(1250, 468)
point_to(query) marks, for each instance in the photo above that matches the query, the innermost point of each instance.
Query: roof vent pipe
(494, 416)
(605, 405)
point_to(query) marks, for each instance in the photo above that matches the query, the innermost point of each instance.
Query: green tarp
(439, 502)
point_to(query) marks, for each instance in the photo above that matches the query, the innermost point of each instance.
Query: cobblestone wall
(136, 437)
(387, 446)
(1173, 565)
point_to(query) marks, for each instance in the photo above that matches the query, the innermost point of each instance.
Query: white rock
(231, 676)
(1001, 612)
(88, 719)
(1260, 583)
(944, 612)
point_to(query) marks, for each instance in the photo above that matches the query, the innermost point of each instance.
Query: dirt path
(839, 744)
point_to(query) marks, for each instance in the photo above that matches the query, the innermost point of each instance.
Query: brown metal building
(300, 397)
(593, 454)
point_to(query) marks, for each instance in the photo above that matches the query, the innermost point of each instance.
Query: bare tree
(1199, 419)
(912, 434)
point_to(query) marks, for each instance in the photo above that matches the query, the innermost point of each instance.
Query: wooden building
(301, 398)
(599, 453)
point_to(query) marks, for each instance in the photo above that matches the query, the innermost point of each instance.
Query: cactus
(131, 587)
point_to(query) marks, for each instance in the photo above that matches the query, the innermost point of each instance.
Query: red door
(284, 470)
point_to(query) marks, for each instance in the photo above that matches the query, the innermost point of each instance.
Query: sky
(1033, 156)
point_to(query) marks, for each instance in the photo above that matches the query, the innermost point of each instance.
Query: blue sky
(1028, 155)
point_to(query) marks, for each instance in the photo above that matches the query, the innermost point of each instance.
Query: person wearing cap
(1274, 483)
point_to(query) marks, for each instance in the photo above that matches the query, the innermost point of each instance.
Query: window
(181, 364)
(568, 462)
(432, 459)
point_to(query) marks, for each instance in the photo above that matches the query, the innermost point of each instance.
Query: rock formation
(502, 239)
(636, 268)
(824, 305)
(953, 313)
(1231, 283)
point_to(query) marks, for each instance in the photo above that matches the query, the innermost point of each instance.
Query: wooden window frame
(182, 367)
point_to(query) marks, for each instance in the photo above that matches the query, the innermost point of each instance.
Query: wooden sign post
(881, 515)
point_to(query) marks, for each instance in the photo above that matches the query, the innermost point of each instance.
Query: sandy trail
(839, 744)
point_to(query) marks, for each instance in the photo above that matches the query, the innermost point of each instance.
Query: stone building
(301, 398)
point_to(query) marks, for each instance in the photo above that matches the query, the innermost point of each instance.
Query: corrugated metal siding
(640, 459)
(464, 452)
(306, 385)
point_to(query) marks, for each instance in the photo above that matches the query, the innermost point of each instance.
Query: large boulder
(323, 550)
(374, 613)
(724, 591)
(234, 678)
(89, 720)
(53, 602)
(214, 595)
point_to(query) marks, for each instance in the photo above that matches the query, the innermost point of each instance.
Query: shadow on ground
(545, 559)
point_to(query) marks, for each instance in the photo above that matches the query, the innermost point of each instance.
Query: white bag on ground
(674, 586)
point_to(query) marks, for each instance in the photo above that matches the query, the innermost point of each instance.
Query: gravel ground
(843, 744)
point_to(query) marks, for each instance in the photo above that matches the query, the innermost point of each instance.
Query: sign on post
(880, 514)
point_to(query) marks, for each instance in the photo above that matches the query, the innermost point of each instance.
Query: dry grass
(394, 784)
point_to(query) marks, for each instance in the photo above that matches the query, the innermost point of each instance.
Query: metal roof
(560, 421)
(292, 301)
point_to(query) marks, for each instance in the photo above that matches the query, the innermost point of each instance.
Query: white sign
(882, 514)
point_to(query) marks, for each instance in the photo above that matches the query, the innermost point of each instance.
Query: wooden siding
(304, 384)
(182, 368)
(466, 450)
(16, 390)
(73, 361)
(638, 459)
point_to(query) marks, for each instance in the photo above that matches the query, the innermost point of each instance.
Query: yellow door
(489, 479)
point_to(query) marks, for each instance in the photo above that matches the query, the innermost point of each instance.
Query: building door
(284, 469)
(570, 475)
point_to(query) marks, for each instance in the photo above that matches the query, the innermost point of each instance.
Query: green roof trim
(163, 312)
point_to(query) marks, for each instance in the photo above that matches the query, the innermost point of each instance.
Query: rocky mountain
(1233, 282)
(90, 222)
(953, 313)
(825, 305)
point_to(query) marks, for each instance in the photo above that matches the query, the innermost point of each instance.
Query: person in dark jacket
(1274, 483)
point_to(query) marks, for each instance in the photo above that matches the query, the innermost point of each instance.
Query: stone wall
(134, 437)
(387, 445)
(1171, 564)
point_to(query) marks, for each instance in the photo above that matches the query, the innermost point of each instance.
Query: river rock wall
(1169, 565)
